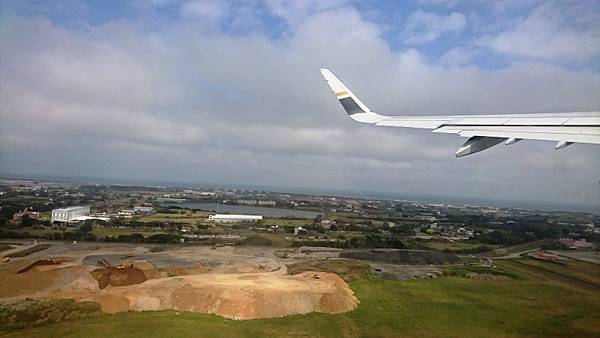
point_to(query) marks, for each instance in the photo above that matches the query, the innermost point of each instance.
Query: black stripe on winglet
(350, 106)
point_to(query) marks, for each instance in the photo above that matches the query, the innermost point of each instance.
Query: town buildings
(234, 218)
(70, 213)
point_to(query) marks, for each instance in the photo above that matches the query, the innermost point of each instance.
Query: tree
(26, 221)
(136, 238)
(86, 227)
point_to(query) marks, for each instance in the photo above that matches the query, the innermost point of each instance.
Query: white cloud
(178, 103)
(294, 12)
(445, 3)
(422, 26)
(549, 32)
(204, 9)
(459, 56)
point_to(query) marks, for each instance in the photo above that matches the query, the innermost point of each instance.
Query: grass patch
(585, 271)
(441, 307)
(99, 232)
(182, 216)
(103, 232)
(30, 313)
(520, 248)
(459, 247)
(257, 240)
(282, 222)
(348, 270)
(277, 239)
(462, 271)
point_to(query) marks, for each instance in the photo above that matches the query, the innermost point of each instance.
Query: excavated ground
(238, 287)
(236, 296)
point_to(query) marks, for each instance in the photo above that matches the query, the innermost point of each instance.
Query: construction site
(233, 282)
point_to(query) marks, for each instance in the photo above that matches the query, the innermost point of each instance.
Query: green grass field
(519, 248)
(287, 222)
(455, 246)
(527, 305)
(277, 239)
(98, 232)
(108, 231)
(587, 272)
(184, 216)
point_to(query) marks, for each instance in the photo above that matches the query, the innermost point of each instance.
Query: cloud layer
(195, 99)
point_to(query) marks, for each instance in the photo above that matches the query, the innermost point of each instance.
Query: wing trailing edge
(483, 131)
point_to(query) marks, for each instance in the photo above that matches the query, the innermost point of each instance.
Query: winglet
(352, 104)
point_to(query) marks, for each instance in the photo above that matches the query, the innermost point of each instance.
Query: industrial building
(86, 218)
(234, 218)
(263, 203)
(18, 216)
(68, 214)
(144, 211)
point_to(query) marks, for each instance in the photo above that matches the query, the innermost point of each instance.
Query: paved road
(516, 254)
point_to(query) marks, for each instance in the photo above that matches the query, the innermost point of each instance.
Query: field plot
(587, 256)
(516, 249)
(99, 232)
(576, 279)
(584, 271)
(457, 246)
(524, 302)
(111, 231)
(182, 216)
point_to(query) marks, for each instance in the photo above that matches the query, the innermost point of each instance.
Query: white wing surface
(483, 131)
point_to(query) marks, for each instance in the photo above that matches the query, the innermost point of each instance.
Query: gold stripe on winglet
(341, 94)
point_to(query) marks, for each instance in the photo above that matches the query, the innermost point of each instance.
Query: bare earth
(237, 283)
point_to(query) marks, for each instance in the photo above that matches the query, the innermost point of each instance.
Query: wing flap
(412, 123)
(484, 131)
(569, 134)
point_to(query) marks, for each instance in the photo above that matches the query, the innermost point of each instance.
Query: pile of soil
(152, 272)
(407, 257)
(13, 284)
(118, 276)
(39, 262)
(236, 296)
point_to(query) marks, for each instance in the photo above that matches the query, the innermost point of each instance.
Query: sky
(228, 92)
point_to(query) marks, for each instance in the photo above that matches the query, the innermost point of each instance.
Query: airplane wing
(483, 131)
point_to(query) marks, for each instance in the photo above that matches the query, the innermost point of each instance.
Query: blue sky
(474, 20)
(228, 92)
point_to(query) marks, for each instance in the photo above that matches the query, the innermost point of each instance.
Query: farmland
(448, 306)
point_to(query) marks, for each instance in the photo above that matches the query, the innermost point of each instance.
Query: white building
(268, 203)
(299, 231)
(234, 218)
(68, 214)
(144, 211)
(85, 218)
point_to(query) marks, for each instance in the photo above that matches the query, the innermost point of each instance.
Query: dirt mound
(13, 284)
(118, 276)
(152, 272)
(41, 262)
(245, 267)
(408, 257)
(245, 296)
